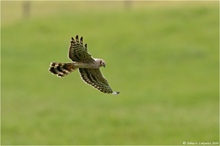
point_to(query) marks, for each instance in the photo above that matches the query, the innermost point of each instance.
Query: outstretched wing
(79, 53)
(95, 78)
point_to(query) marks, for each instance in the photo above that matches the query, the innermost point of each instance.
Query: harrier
(87, 65)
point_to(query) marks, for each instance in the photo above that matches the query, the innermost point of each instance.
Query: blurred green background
(161, 56)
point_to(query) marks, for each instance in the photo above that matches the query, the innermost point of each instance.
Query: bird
(89, 67)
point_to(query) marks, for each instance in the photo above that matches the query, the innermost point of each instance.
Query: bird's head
(100, 62)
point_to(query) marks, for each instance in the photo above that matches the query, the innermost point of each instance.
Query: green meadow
(163, 57)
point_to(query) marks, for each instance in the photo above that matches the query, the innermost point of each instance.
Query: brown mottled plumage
(88, 66)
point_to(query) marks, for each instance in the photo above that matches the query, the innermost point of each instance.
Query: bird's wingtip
(115, 93)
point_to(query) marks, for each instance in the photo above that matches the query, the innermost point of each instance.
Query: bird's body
(87, 65)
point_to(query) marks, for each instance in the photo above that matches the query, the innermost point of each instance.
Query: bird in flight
(89, 67)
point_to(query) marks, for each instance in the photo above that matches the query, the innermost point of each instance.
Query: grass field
(161, 56)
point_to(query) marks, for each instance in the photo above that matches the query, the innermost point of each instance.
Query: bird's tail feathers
(61, 69)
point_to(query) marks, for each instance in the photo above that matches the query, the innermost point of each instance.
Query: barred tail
(61, 69)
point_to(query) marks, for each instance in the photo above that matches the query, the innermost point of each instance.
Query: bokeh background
(161, 56)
